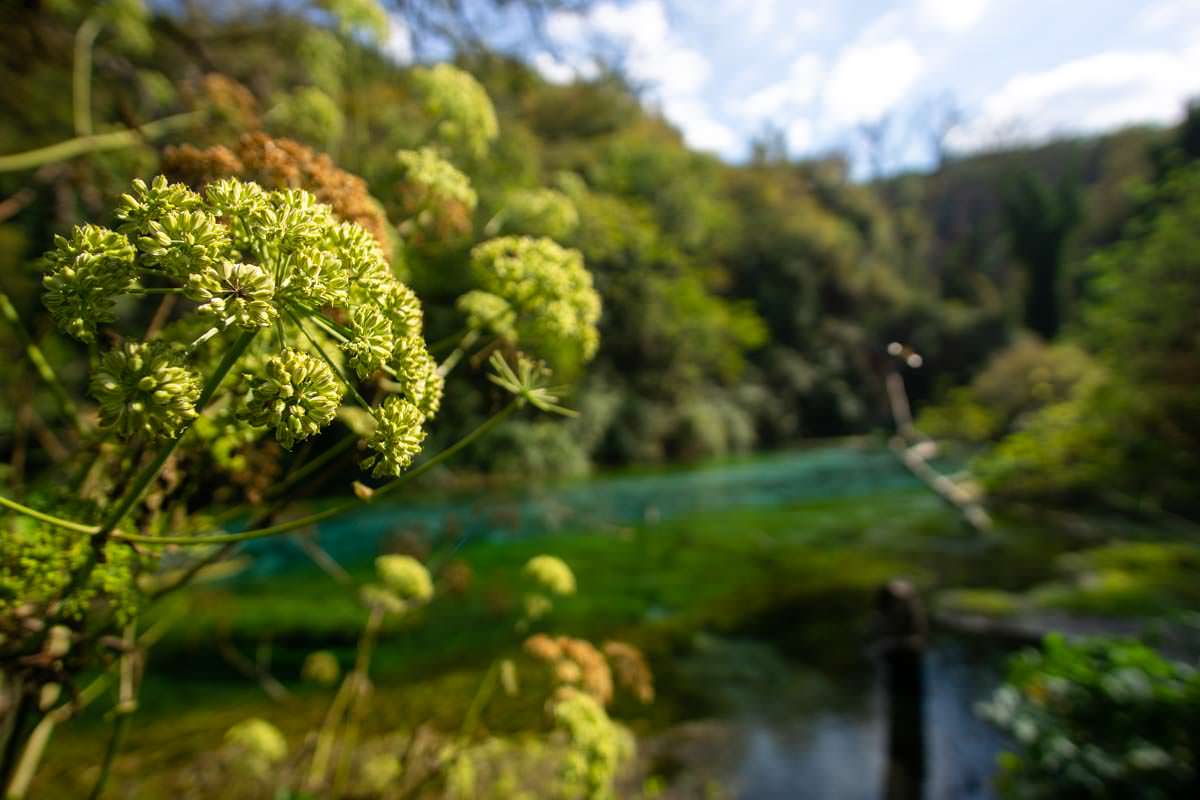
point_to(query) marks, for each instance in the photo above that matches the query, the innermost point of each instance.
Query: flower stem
(81, 94)
(62, 151)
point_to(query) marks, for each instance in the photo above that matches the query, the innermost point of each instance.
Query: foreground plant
(231, 317)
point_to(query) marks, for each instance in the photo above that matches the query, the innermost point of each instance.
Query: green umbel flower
(297, 395)
(321, 667)
(488, 312)
(86, 272)
(405, 576)
(182, 243)
(539, 212)
(236, 294)
(397, 439)
(404, 310)
(552, 573)
(434, 179)
(150, 203)
(466, 117)
(418, 372)
(360, 256)
(145, 388)
(373, 340)
(548, 287)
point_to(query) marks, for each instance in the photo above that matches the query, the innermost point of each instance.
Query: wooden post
(902, 632)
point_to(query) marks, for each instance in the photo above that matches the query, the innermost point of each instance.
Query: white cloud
(800, 136)
(952, 16)
(1093, 93)
(798, 89)
(700, 128)
(1170, 15)
(676, 76)
(399, 45)
(869, 80)
(553, 69)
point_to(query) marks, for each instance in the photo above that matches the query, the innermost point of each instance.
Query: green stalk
(49, 519)
(333, 511)
(81, 83)
(115, 140)
(40, 364)
(120, 728)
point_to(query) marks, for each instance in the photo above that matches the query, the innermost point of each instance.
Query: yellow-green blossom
(552, 573)
(145, 388)
(405, 576)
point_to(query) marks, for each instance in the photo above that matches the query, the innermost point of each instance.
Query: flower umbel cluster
(297, 394)
(146, 388)
(554, 304)
(433, 195)
(276, 263)
(459, 107)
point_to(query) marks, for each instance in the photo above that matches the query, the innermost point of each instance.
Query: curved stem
(61, 151)
(333, 511)
(81, 78)
(50, 519)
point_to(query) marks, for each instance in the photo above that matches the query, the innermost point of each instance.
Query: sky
(822, 71)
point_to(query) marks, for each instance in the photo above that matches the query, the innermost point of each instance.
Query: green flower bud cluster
(85, 273)
(256, 745)
(539, 212)
(397, 438)
(145, 388)
(433, 197)
(488, 312)
(435, 178)
(36, 565)
(307, 114)
(460, 106)
(597, 746)
(415, 367)
(548, 288)
(405, 576)
(359, 17)
(551, 573)
(297, 395)
(235, 294)
(250, 259)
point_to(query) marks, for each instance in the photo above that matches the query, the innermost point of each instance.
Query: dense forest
(571, 254)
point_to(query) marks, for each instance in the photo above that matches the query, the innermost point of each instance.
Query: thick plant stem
(332, 511)
(81, 84)
(61, 151)
(38, 359)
